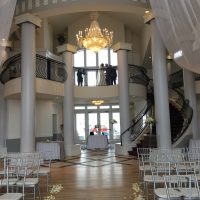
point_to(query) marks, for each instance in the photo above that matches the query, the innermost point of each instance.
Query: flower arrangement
(113, 121)
(54, 190)
(137, 193)
(149, 120)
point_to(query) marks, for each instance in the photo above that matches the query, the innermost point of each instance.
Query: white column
(28, 69)
(160, 88)
(190, 94)
(4, 49)
(123, 84)
(67, 51)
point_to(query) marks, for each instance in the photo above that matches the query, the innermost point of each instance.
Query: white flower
(51, 197)
(113, 121)
(56, 188)
(149, 120)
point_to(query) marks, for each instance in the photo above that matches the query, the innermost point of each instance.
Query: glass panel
(91, 107)
(79, 59)
(103, 56)
(115, 106)
(80, 125)
(104, 121)
(113, 58)
(79, 107)
(92, 117)
(91, 59)
(116, 126)
(92, 78)
(104, 107)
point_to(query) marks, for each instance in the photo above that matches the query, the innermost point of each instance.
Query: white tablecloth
(97, 142)
(49, 150)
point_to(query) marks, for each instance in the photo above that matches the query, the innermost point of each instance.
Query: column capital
(122, 46)
(148, 17)
(5, 43)
(67, 47)
(28, 18)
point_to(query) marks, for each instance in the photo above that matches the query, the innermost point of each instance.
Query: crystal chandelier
(97, 102)
(94, 38)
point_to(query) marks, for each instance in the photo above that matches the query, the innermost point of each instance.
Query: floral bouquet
(113, 121)
(149, 120)
(137, 193)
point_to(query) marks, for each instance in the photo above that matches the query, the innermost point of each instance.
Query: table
(52, 150)
(97, 142)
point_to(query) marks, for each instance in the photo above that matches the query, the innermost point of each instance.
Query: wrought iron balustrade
(45, 68)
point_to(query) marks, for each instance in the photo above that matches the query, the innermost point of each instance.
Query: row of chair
(22, 170)
(159, 166)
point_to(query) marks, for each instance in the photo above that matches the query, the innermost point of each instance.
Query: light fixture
(94, 38)
(97, 102)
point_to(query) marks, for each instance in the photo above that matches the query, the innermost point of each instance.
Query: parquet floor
(94, 175)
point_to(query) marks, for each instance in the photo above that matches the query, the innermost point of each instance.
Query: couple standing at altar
(107, 75)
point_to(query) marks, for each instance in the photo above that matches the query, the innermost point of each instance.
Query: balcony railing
(50, 69)
(92, 76)
(45, 68)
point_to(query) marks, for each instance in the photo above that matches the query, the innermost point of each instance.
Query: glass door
(116, 126)
(80, 125)
(104, 124)
(92, 123)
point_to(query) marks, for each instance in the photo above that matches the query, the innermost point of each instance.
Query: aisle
(95, 175)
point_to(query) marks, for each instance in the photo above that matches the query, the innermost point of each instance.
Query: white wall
(134, 55)
(44, 111)
(145, 37)
(48, 35)
(44, 114)
(13, 119)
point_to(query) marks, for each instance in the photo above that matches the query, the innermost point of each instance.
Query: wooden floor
(94, 175)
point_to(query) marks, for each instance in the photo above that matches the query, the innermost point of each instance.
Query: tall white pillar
(160, 80)
(4, 50)
(28, 70)
(123, 84)
(190, 94)
(67, 51)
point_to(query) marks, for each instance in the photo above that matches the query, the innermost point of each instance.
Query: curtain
(179, 24)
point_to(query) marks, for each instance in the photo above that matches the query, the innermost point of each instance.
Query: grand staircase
(180, 119)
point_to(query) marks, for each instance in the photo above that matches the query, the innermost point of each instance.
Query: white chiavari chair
(9, 180)
(45, 167)
(183, 187)
(29, 164)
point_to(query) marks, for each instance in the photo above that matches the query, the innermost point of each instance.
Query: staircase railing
(46, 68)
(183, 106)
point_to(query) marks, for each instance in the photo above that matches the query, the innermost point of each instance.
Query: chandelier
(97, 102)
(94, 38)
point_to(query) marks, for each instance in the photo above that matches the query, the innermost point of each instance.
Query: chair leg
(47, 183)
(38, 189)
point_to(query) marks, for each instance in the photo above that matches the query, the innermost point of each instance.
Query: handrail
(187, 113)
(137, 125)
(46, 68)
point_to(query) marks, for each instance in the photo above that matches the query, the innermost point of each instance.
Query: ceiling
(134, 21)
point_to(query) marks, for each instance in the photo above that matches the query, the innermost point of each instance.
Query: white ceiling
(134, 21)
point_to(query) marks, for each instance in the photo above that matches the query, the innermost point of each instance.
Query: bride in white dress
(102, 80)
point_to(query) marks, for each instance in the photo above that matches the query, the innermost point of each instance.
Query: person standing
(102, 80)
(113, 75)
(80, 74)
(108, 74)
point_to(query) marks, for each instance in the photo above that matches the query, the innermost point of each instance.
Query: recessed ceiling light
(147, 11)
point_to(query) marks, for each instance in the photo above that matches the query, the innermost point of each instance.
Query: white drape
(179, 25)
(7, 8)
